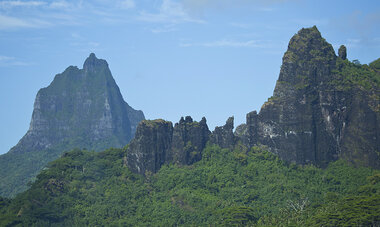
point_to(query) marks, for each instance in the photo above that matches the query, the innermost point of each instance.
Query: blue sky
(170, 58)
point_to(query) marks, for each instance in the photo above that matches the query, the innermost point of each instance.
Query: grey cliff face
(81, 103)
(224, 136)
(81, 108)
(149, 149)
(189, 139)
(157, 143)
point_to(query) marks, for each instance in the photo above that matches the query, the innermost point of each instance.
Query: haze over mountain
(81, 108)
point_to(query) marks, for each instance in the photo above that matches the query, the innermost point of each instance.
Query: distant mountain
(81, 108)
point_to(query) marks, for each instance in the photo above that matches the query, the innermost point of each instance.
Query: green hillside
(238, 188)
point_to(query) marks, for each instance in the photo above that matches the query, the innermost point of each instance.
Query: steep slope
(323, 107)
(81, 108)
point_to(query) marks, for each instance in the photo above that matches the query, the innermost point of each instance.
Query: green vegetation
(239, 188)
(19, 169)
(349, 75)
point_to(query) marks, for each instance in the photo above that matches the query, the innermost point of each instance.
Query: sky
(170, 58)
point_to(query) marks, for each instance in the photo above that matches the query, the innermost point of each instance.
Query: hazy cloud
(228, 43)
(11, 61)
(93, 44)
(5, 58)
(164, 29)
(266, 9)
(60, 5)
(7, 22)
(127, 4)
(75, 35)
(10, 4)
(198, 6)
(169, 12)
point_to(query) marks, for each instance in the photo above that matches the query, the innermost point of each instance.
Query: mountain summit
(81, 108)
(323, 108)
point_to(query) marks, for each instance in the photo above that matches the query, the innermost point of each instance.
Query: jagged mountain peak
(321, 107)
(308, 44)
(81, 108)
(307, 63)
(92, 63)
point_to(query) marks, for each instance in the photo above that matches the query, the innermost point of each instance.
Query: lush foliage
(238, 188)
(349, 74)
(18, 169)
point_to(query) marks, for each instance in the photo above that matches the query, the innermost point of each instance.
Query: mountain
(81, 108)
(323, 107)
(310, 157)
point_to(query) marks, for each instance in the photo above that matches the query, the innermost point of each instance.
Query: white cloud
(75, 35)
(127, 4)
(164, 29)
(93, 44)
(352, 42)
(228, 43)
(7, 22)
(169, 12)
(11, 61)
(60, 5)
(198, 6)
(5, 58)
(9, 4)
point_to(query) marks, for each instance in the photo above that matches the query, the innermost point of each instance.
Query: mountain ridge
(323, 113)
(310, 119)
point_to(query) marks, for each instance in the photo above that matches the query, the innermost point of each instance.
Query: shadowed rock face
(157, 142)
(81, 108)
(189, 139)
(311, 118)
(223, 136)
(148, 151)
(342, 52)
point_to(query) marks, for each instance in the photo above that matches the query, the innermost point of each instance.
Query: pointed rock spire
(92, 63)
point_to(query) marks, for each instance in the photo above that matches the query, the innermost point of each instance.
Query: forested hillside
(227, 187)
